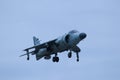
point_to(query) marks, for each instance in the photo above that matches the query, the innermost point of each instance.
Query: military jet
(67, 42)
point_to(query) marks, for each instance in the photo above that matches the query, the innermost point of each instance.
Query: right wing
(37, 47)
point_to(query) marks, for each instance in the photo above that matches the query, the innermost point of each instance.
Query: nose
(82, 35)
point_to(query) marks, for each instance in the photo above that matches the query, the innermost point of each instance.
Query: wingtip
(25, 50)
(22, 55)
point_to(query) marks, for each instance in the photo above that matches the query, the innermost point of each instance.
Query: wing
(47, 45)
(40, 46)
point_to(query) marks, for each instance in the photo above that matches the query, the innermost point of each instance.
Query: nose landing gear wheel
(77, 60)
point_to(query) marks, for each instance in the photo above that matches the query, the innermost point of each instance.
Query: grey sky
(20, 20)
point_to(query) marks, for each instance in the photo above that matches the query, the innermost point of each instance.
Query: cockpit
(73, 31)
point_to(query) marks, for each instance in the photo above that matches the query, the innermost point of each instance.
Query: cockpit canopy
(73, 31)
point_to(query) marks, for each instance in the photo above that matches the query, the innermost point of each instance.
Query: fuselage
(62, 43)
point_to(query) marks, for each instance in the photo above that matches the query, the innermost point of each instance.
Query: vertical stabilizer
(36, 41)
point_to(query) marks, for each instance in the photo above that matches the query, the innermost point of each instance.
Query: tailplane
(36, 41)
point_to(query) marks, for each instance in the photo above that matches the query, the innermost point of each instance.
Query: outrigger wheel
(28, 57)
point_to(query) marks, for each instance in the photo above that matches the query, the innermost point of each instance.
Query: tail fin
(36, 41)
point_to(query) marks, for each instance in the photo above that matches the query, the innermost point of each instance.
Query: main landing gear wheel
(70, 54)
(55, 59)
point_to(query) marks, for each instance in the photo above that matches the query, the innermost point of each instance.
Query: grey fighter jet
(67, 42)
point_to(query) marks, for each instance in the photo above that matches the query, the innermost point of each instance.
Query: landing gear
(55, 59)
(77, 55)
(70, 54)
(28, 56)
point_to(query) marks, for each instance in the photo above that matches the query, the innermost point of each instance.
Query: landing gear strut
(28, 56)
(77, 54)
(55, 59)
(70, 54)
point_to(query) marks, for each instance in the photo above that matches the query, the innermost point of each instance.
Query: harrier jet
(67, 42)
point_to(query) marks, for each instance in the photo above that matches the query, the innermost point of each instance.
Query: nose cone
(82, 35)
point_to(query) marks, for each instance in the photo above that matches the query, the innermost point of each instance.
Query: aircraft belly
(41, 53)
(60, 48)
